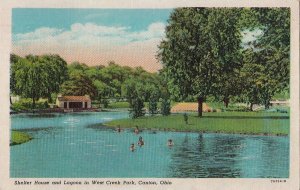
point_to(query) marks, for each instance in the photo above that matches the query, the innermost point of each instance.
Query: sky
(91, 36)
(94, 36)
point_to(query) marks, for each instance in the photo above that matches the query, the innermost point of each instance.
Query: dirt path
(189, 107)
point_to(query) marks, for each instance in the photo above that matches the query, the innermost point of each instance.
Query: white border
(6, 183)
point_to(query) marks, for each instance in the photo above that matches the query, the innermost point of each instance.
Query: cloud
(95, 44)
(89, 34)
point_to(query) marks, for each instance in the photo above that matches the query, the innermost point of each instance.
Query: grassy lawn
(260, 123)
(116, 105)
(18, 137)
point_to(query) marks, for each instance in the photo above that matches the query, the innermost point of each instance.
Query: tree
(137, 108)
(79, 85)
(37, 76)
(269, 53)
(275, 50)
(200, 45)
(29, 80)
(165, 107)
(133, 90)
(56, 72)
(251, 75)
(153, 99)
(230, 87)
(13, 60)
(102, 90)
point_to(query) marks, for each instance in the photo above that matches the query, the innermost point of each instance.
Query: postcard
(149, 95)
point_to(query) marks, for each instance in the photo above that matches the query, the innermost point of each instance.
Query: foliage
(203, 56)
(266, 59)
(37, 76)
(153, 97)
(152, 106)
(137, 108)
(165, 107)
(201, 46)
(79, 85)
(26, 104)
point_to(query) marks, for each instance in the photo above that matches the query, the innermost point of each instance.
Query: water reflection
(205, 157)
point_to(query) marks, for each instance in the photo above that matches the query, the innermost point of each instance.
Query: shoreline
(55, 110)
(195, 131)
(243, 123)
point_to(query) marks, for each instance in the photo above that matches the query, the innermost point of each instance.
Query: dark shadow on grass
(245, 117)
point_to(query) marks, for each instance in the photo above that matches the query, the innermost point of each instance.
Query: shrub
(137, 108)
(152, 106)
(26, 104)
(105, 103)
(165, 107)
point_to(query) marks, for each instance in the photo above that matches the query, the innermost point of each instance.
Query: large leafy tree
(29, 80)
(56, 73)
(79, 85)
(269, 52)
(275, 49)
(134, 91)
(37, 76)
(102, 89)
(200, 45)
(13, 60)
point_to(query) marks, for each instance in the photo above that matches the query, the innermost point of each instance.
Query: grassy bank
(18, 137)
(116, 105)
(258, 123)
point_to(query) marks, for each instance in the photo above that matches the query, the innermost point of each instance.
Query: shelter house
(74, 102)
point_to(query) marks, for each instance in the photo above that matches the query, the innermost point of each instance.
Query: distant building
(74, 102)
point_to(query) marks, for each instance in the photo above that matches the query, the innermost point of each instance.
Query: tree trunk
(226, 102)
(33, 103)
(200, 105)
(10, 100)
(267, 104)
(50, 98)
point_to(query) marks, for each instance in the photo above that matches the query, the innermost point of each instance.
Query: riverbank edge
(18, 138)
(54, 110)
(194, 131)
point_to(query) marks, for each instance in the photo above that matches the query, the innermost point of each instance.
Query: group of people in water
(141, 143)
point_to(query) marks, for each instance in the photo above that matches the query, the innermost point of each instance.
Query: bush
(137, 108)
(152, 106)
(165, 107)
(26, 104)
(105, 103)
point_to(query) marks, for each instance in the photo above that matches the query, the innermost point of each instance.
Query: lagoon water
(76, 145)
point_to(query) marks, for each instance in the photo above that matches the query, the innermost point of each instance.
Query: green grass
(18, 137)
(260, 123)
(116, 105)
